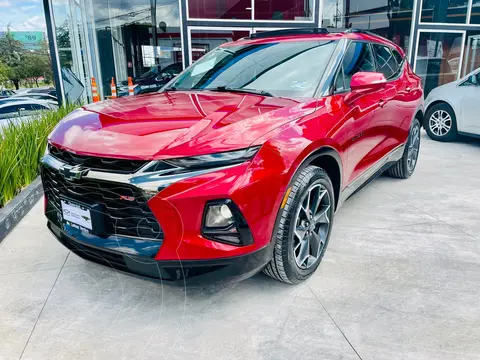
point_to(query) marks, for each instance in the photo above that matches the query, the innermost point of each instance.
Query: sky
(24, 15)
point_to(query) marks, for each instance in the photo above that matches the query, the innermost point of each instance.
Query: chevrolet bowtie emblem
(71, 173)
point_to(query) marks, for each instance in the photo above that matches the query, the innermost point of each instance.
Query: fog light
(219, 216)
(223, 222)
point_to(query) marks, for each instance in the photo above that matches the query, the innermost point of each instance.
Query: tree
(3, 73)
(11, 52)
(34, 65)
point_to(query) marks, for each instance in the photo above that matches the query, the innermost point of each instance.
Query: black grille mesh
(123, 217)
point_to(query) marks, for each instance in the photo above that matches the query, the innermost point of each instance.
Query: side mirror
(367, 81)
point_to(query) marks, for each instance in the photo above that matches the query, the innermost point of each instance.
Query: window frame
(433, 23)
(255, 21)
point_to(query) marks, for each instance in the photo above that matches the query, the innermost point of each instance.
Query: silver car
(37, 96)
(18, 109)
(453, 109)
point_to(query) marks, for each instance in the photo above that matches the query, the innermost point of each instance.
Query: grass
(22, 145)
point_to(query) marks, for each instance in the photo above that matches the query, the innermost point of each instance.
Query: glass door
(438, 57)
(81, 49)
(472, 57)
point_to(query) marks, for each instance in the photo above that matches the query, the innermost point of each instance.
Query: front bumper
(175, 272)
(176, 249)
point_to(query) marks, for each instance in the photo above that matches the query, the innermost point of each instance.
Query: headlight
(214, 160)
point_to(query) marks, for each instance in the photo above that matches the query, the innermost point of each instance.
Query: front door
(469, 91)
(361, 113)
(393, 119)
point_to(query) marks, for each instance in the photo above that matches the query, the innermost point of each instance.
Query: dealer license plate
(76, 215)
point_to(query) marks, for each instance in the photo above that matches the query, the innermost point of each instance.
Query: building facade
(152, 40)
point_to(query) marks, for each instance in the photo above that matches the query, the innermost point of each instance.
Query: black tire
(283, 266)
(404, 167)
(452, 133)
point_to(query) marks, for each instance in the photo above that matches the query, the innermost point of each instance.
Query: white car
(37, 96)
(18, 110)
(453, 109)
(13, 99)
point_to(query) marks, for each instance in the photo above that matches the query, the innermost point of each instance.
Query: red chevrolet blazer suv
(239, 163)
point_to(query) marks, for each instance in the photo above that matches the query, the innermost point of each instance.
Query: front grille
(124, 208)
(120, 166)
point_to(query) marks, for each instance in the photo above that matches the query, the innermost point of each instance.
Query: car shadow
(469, 140)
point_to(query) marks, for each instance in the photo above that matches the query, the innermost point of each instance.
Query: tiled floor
(400, 280)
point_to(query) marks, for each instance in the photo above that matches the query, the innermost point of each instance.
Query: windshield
(153, 71)
(290, 69)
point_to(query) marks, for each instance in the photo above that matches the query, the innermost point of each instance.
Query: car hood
(175, 124)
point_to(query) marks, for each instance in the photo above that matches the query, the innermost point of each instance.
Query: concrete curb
(16, 209)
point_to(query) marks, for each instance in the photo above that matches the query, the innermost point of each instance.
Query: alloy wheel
(312, 222)
(440, 123)
(413, 148)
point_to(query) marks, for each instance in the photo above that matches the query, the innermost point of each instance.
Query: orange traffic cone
(130, 87)
(95, 96)
(113, 87)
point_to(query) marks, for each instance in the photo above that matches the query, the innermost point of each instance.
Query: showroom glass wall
(116, 39)
(447, 40)
(152, 40)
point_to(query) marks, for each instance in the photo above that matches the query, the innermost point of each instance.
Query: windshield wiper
(171, 88)
(241, 90)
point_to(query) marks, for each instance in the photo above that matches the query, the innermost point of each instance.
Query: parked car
(452, 109)
(18, 110)
(44, 90)
(5, 93)
(38, 90)
(240, 163)
(38, 96)
(26, 98)
(152, 80)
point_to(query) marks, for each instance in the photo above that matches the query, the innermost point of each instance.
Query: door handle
(408, 89)
(382, 103)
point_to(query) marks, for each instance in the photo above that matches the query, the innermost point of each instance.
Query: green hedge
(22, 146)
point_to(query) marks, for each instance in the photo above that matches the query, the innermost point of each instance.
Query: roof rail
(286, 32)
(309, 31)
(357, 31)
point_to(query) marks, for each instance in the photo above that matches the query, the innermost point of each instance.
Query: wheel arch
(436, 102)
(420, 115)
(327, 158)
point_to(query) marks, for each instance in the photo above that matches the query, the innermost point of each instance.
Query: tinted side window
(473, 80)
(358, 57)
(397, 56)
(386, 63)
(9, 109)
(32, 107)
